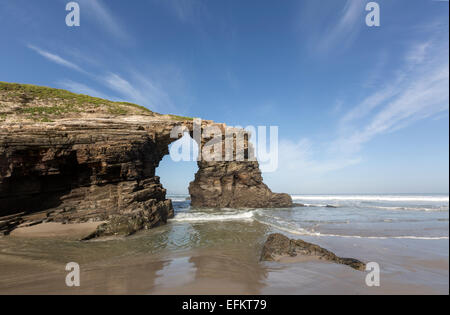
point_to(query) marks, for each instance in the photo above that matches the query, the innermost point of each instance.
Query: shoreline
(111, 267)
(210, 251)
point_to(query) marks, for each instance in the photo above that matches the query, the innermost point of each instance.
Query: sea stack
(233, 185)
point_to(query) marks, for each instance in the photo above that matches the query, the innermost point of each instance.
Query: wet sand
(54, 230)
(134, 266)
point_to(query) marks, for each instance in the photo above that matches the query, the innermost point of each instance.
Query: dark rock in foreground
(278, 246)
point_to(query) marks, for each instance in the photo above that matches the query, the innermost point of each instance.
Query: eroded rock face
(79, 172)
(278, 246)
(234, 179)
(235, 184)
(71, 158)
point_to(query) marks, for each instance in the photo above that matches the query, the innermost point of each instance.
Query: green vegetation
(43, 103)
(48, 110)
(176, 117)
(136, 106)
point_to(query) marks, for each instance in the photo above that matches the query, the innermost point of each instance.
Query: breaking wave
(373, 198)
(222, 216)
(304, 232)
(356, 217)
(320, 205)
(427, 209)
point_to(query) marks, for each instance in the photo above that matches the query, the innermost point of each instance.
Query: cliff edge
(71, 158)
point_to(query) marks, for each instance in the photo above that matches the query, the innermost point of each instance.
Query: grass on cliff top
(58, 102)
(176, 117)
(45, 104)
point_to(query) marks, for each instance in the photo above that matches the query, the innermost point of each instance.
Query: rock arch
(104, 169)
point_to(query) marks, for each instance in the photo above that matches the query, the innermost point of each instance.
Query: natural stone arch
(104, 169)
(235, 183)
(89, 159)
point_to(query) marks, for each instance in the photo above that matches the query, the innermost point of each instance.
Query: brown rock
(235, 184)
(72, 158)
(278, 246)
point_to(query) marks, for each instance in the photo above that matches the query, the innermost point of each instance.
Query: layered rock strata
(72, 158)
(233, 185)
(79, 172)
(228, 173)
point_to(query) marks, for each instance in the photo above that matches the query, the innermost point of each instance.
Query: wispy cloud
(81, 88)
(137, 88)
(344, 32)
(98, 12)
(122, 86)
(302, 156)
(331, 27)
(419, 91)
(142, 90)
(56, 58)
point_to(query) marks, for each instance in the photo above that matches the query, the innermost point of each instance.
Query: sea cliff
(73, 158)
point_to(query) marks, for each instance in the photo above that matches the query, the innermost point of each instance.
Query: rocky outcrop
(233, 185)
(233, 179)
(278, 246)
(72, 173)
(72, 158)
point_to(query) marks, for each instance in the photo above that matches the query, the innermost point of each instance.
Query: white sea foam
(426, 209)
(202, 216)
(320, 205)
(304, 232)
(301, 222)
(373, 198)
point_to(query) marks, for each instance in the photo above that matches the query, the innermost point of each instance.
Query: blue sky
(359, 109)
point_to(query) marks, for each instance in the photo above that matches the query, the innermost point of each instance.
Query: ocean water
(345, 216)
(210, 251)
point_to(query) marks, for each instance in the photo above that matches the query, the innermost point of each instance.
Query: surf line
(193, 305)
(318, 234)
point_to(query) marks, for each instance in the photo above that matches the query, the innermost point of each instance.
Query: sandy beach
(57, 230)
(141, 264)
